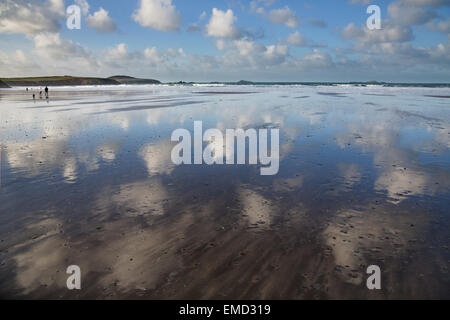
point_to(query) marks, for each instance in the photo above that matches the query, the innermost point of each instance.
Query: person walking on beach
(34, 97)
(46, 92)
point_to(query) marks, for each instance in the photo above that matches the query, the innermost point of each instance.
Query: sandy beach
(87, 180)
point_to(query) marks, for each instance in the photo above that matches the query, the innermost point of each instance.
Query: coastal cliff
(3, 85)
(73, 81)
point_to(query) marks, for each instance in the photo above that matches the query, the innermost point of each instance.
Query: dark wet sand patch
(137, 108)
(442, 97)
(332, 94)
(65, 110)
(222, 92)
(411, 114)
(45, 106)
(154, 99)
(379, 94)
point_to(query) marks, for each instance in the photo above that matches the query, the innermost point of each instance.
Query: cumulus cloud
(30, 17)
(258, 6)
(315, 59)
(246, 54)
(284, 16)
(389, 33)
(406, 13)
(57, 52)
(101, 21)
(158, 14)
(441, 26)
(296, 39)
(17, 63)
(415, 12)
(245, 47)
(84, 6)
(221, 24)
(434, 3)
(154, 56)
(119, 53)
(121, 58)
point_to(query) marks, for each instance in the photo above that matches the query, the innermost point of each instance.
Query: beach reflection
(87, 179)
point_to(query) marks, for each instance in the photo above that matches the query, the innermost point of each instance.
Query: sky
(228, 40)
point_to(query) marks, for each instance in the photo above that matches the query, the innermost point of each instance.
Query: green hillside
(57, 81)
(131, 80)
(73, 81)
(3, 85)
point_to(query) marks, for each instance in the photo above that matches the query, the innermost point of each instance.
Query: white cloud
(389, 33)
(441, 26)
(257, 6)
(84, 5)
(176, 53)
(154, 56)
(296, 39)
(158, 14)
(101, 21)
(245, 47)
(243, 53)
(117, 54)
(221, 24)
(434, 3)
(29, 18)
(55, 6)
(17, 63)
(317, 59)
(150, 60)
(405, 13)
(62, 53)
(284, 16)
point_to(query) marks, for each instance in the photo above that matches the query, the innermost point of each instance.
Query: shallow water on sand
(86, 179)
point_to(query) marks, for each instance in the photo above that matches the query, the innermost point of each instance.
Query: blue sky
(213, 40)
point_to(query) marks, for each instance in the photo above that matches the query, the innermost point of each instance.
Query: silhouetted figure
(40, 94)
(34, 96)
(46, 92)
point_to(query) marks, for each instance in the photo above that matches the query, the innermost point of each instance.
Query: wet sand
(87, 180)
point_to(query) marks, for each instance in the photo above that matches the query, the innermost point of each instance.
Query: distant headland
(3, 85)
(72, 81)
